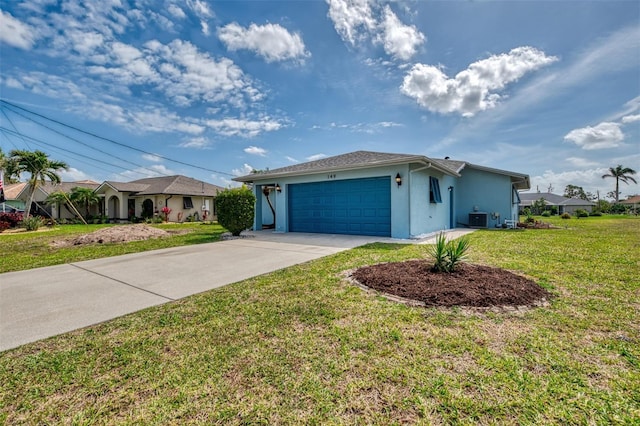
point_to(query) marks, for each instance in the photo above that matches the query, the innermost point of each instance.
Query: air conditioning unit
(478, 220)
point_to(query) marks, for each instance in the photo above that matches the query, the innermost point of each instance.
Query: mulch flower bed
(470, 285)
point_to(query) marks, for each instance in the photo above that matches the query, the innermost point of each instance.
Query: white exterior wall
(176, 204)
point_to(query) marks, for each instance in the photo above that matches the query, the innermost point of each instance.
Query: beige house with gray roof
(187, 198)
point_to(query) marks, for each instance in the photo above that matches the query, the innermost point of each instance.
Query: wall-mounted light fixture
(278, 189)
(398, 179)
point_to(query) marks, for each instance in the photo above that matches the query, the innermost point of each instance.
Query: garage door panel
(355, 206)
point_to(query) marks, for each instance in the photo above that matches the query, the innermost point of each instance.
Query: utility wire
(82, 143)
(111, 140)
(14, 128)
(41, 142)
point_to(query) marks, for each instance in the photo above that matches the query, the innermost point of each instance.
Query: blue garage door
(354, 206)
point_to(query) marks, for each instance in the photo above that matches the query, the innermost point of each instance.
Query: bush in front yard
(235, 207)
(582, 213)
(32, 223)
(566, 215)
(13, 219)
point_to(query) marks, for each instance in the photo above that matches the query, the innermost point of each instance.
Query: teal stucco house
(383, 194)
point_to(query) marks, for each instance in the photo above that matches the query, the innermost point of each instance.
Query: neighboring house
(11, 192)
(55, 211)
(383, 194)
(186, 197)
(564, 204)
(633, 202)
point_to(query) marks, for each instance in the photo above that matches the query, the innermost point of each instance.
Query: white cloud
(589, 179)
(200, 8)
(243, 171)
(205, 28)
(254, 150)
(369, 128)
(604, 135)
(358, 20)
(581, 162)
(270, 41)
(631, 118)
(16, 33)
(199, 142)
(291, 159)
(150, 157)
(474, 89)
(160, 120)
(315, 157)
(352, 18)
(188, 75)
(85, 43)
(399, 40)
(176, 11)
(140, 173)
(243, 127)
(74, 175)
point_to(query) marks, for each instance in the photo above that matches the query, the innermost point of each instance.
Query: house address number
(332, 176)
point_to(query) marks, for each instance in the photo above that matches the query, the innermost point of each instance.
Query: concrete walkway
(44, 302)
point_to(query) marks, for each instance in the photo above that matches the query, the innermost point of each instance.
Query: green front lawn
(301, 346)
(27, 250)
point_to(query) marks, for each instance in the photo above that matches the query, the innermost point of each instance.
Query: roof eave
(417, 159)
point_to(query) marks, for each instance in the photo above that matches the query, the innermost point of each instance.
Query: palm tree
(60, 198)
(9, 167)
(84, 196)
(621, 174)
(40, 167)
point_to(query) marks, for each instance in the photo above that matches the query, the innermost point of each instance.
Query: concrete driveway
(44, 302)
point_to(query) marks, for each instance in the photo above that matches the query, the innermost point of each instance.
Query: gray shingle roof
(352, 160)
(167, 185)
(367, 159)
(49, 187)
(527, 198)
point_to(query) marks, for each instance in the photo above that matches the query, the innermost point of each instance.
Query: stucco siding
(399, 196)
(482, 191)
(427, 217)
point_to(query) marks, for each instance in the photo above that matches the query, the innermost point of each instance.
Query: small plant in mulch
(448, 254)
(450, 282)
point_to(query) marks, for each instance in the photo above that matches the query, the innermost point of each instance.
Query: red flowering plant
(166, 210)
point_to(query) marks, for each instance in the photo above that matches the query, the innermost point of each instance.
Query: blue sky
(547, 88)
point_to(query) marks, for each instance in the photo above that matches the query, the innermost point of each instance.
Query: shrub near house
(235, 209)
(9, 220)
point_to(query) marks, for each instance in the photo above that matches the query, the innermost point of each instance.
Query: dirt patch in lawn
(471, 285)
(114, 234)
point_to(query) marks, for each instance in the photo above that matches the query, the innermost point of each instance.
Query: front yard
(27, 250)
(302, 346)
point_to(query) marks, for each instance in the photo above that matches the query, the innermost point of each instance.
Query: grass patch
(28, 250)
(300, 346)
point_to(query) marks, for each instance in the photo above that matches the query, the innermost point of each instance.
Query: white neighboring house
(55, 211)
(187, 198)
(564, 204)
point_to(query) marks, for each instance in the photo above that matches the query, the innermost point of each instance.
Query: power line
(83, 143)
(113, 141)
(41, 142)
